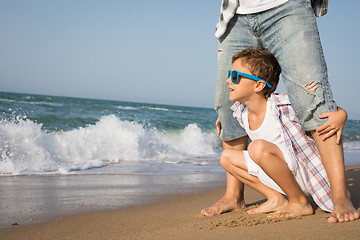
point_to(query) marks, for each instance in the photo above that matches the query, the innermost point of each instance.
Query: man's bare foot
(344, 212)
(271, 205)
(225, 204)
(293, 209)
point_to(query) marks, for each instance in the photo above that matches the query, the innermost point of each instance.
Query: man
(288, 29)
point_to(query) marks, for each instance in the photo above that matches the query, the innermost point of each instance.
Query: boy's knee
(257, 150)
(257, 146)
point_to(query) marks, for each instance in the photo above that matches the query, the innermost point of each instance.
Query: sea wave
(44, 103)
(7, 100)
(27, 149)
(126, 108)
(352, 146)
(155, 108)
(32, 102)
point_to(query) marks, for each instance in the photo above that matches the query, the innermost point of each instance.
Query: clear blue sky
(160, 51)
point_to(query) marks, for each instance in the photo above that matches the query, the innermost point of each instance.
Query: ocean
(47, 135)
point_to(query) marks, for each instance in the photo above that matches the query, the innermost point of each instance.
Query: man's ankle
(341, 197)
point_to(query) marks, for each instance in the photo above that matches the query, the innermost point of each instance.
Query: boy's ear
(260, 85)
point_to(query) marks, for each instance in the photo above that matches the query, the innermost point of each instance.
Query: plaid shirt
(302, 148)
(229, 7)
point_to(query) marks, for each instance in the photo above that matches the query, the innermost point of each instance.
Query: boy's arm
(334, 125)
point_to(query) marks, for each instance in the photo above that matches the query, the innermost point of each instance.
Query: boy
(281, 159)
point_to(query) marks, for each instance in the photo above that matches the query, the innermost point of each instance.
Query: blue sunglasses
(235, 77)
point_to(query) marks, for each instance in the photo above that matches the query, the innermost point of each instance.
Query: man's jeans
(290, 32)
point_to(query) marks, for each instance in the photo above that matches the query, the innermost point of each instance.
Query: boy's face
(245, 87)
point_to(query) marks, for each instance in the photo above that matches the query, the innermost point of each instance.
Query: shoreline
(176, 216)
(37, 199)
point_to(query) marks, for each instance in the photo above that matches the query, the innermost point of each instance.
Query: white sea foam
(27, 149)
(155, 108)
(43, 103)
(126, 108)
(353, 146)
(34, 102)
(7, 100)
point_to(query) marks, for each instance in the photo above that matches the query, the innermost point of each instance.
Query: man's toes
(346, 218)
(340, 219)
(332, 219)
(357, 215)
(208, 212)
(204, 212)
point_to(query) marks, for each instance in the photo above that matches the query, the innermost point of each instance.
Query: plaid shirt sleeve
(305, 151)
(238, 108)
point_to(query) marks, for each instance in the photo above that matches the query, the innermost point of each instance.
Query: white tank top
(270, 130)
(254, 6)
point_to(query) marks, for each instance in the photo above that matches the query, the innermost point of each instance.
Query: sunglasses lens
(234, 77)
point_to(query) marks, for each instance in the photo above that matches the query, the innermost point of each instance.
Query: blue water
(60, 135)
(47, 135)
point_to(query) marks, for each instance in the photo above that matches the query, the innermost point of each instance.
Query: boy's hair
(262, 64)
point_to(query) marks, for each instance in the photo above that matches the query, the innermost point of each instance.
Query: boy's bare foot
(293, 209)
(344, 212)
(271, 205)
(225, 204)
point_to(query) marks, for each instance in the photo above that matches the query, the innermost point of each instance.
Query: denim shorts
(290, 32)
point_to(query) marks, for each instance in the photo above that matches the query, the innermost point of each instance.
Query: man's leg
(333, 159)
(294, 39)
(234, 195)
(237, 37)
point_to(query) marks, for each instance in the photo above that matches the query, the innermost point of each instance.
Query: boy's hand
(334, 125)
(218, 126)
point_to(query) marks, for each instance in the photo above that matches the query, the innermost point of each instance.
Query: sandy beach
(174, 216)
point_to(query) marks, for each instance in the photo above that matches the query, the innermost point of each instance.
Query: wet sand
(174, 216)
(37, 199)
